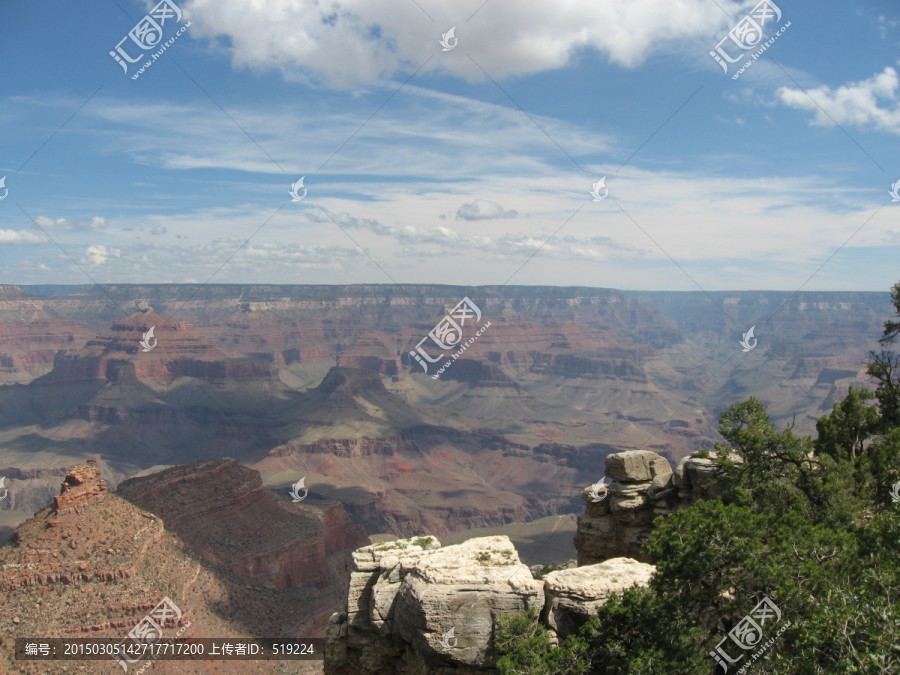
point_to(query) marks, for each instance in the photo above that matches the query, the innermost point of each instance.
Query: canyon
(319, 381)
(248, 389)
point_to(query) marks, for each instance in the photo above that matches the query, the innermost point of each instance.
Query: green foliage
(526, 649)
(892, 328)
(884, 367)
(880, 466)
(843, 432)
(632, 618)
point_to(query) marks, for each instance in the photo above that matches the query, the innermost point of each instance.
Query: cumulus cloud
(95, 223)
(98, 255)
(482, 209)
(20, 237)
(351, 42)
(159, 229)
(868, 103)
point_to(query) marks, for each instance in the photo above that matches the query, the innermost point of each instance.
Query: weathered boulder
(695, 477)
(573, 595)
(635, 466)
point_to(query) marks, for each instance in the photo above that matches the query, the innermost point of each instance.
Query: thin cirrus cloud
(419, 136)
(489, 247)
(356, 42)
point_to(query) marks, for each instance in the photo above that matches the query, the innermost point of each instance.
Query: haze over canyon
(248, 389)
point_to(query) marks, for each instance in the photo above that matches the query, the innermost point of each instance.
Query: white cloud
(20, 237)
(95, 223)
(867, 103)
(482, 209)
(98, 255)
(355, 42)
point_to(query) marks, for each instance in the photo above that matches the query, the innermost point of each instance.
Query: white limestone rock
(573, 595)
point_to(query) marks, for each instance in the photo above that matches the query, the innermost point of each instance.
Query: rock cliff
(643, 486)
(416, 608)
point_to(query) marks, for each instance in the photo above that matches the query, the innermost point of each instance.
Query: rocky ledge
(417, 608)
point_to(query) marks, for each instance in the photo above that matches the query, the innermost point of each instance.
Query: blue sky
(469, 166)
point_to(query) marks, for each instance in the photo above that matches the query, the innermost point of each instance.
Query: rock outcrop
(643, 486)
(573, 595)
(416, 608)
(81, 485)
